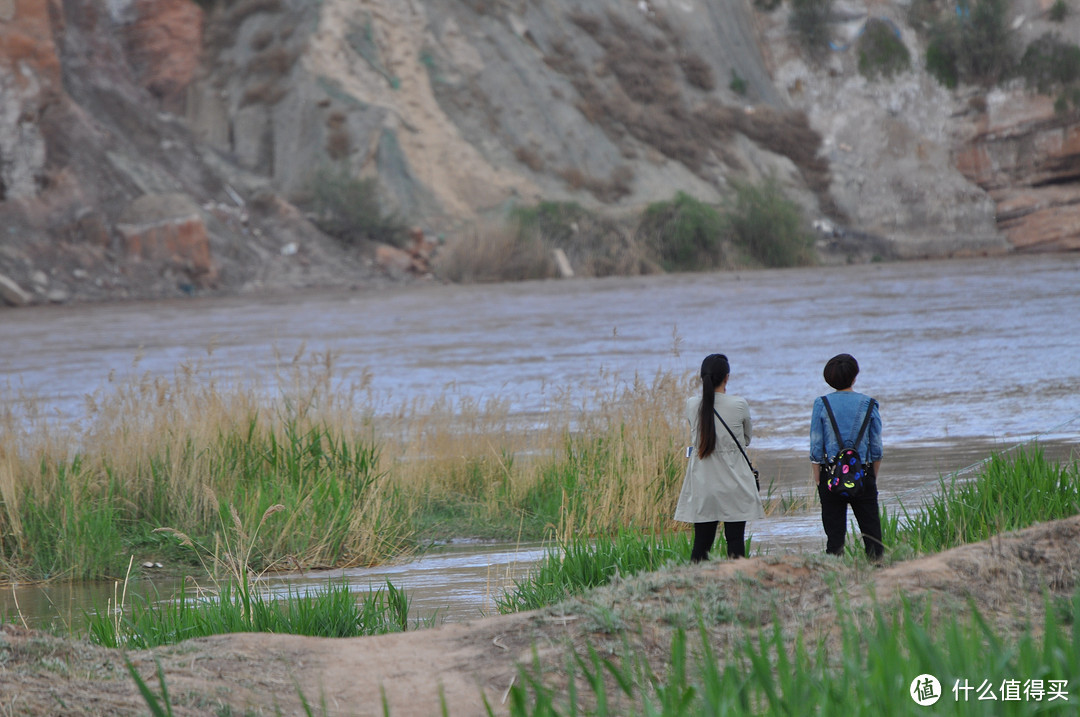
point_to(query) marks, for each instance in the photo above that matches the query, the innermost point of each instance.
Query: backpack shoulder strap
(865, 422)
(832, 420)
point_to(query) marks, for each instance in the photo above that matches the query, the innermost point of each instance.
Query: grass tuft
(1010, 493)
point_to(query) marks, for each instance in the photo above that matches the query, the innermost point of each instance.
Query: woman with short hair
(851, 411)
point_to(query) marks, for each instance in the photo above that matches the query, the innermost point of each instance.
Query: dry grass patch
(487, 252)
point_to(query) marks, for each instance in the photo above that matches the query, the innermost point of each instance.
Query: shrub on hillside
(557, 221)
(596, 245)
(809, 21)
(684, 234)
(349, 209)
(1050, 63)
(1059, 11)
(738, 84)
(768, 226)
(976, 46)
(943, 54)
(881, 51)
(1068, 101)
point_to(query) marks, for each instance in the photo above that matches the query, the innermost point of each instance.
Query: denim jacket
(849, 408)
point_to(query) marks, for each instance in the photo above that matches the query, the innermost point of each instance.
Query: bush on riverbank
(768, 226)
(758, 226)
(686, 234)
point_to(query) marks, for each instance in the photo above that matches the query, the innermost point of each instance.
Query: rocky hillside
(162, 147)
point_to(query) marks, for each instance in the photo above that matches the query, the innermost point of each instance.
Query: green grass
(768, 226)
(869, 672)
(684, 233)
(89, 519)
(73, 532)
(1011, 492)
(881, 52)
(579, 564)
(976, 47)
(238, 607)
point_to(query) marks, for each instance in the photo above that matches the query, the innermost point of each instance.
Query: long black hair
(714, 369)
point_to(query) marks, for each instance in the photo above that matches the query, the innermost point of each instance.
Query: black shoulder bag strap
(836, 429)
(732, 434)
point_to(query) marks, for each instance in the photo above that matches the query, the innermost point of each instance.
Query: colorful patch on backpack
(846, 473)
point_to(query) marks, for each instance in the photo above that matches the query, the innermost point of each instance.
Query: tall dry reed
(180, 452)
(591, 462)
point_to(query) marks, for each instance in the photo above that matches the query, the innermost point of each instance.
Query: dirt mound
(1005, 578)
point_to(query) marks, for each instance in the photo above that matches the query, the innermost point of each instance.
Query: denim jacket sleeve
(817, 433)
(875, 451)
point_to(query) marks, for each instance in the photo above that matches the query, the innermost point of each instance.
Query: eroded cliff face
(465, 108)
(939, 172)
(148, 148)
(1027, 157)
(462, 107)
(105, 193)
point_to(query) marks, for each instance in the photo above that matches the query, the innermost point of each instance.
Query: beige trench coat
(720, 487)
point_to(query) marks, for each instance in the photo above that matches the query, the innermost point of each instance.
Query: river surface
(965, 357)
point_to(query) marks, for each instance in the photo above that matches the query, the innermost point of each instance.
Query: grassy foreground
(873, 672)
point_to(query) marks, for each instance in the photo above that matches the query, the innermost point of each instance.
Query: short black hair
(840, 371)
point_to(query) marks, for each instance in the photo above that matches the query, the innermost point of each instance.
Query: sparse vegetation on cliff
(882, 52)
(349, 209)
(684, 233)
(1052, 65)
(975, 45)
(809, 21)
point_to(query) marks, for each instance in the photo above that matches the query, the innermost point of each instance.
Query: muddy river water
(965, 357)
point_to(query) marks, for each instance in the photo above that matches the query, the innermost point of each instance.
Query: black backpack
(845, 473)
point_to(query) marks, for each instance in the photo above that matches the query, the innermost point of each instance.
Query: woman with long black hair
(719, 485)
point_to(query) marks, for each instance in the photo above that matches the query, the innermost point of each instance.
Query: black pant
(864, 508)
(705, 534)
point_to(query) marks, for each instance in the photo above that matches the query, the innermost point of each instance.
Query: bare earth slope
(465, 664)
